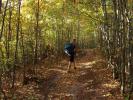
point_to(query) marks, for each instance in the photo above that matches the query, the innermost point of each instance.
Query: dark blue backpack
(68, 48)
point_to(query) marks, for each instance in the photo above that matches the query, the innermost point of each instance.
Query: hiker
(70, 50)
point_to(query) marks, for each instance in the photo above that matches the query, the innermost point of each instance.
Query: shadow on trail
(91, 81)
(48, 84)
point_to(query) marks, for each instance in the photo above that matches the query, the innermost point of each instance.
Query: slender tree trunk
(16, 47)
(36, 33)
(0, 5)
(106, 29)
(3, 21)
(36, 37)
(23, 55)
(9, 37)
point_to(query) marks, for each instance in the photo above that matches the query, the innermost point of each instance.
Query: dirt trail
(90, 81)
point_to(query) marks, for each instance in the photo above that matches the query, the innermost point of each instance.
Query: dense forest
(32, 38)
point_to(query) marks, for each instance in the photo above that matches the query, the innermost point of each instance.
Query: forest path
(90, 81)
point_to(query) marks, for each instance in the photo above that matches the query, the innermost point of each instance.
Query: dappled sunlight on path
(90, 81)
(87, 64)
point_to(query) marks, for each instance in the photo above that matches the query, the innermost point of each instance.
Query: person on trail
(70, 50)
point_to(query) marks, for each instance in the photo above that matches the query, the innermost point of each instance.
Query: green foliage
(58, 20)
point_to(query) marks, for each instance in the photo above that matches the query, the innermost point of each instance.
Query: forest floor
(92, 80)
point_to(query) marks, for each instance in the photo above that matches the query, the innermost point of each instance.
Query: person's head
(73, 41)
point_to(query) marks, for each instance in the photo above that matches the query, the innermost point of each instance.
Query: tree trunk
(17, 40)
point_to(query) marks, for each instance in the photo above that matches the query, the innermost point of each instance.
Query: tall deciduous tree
(17, 41)
(0, 5)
